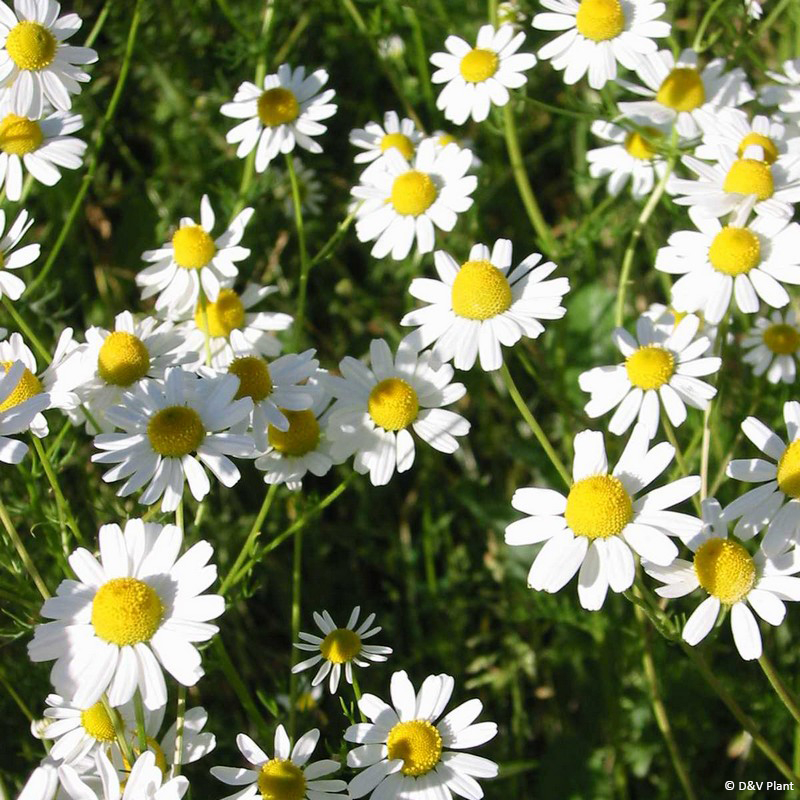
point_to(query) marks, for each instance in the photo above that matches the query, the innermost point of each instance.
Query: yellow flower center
(480, 290)
(682, 90)
(176, 431)
(29, 386)
(642, 145)
(446, 139)
(401, 142)
(224, 316)
(413, 192)
(280, 779)
(31, 45)
(278, 106)
(750, 176)
(598, 507)
(725, 570)
(97, 723)
(764, 142)
(479, 65)
(126, 611)
(782, 339)
(789, 470)
(735, 251)
(650, 367)
(417, 743)
(254, 378)
(600, 20)
(302, 436)
(341, 645)
(193, 247)
(19, 135)
(123, 359)
(393, 404)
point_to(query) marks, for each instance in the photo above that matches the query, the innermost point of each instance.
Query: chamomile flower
(168, 429)
(773, 347)
(748, 262)
(20, 408)
(403, 201)
(479, 77)
(598, 34)
(192, 260)
(375, 139)
(288, 775)
(287, 111)
(411, 751)
(36, 66)
(754, 8)
(482, 304)
(45, 784)
(136, 610)
(676, 90)
(734, 580)
(340, 648)
(42, 146)
(785, 92)
(659, 369)
(601, 522)
(376, 409)
(11, 285)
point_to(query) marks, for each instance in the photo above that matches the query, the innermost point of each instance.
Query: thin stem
(98, 25)
(177, 758)
(179, 516)
(336, 237)
(141, 731)
(297, 564)
(682, 465)
(62, 503)
(119, 730)
(357, 695)
(22, 552)
(301, 240)
(43, 352)
(15, 697)
(705, 451)
(781, 689)
(206, 329)
(697, 45)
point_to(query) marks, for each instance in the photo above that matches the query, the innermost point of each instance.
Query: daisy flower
(375, 408)
(192, 260)
(287, 111)
(660, 369)
(288, 775)
(11, 285)
(166, 428)
(483, 303)
(479, 77)
(665, 318)
(20, 408)
(340, 647)
(773, 346)
(45, 784)
(598, 34)
(41, 145)
(601, 522)
(717, 262)
(36, 66)
(754, 8)
(408, 751)
(676, 90)
(733, 580)
(404, 200)
(374, 139)
(134, 611)
(785, 92)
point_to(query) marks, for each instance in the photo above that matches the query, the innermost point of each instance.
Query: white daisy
(287, 111)
(288, 775)
(483, 303)
(600, 523)
(374, 139)
(479, 77)
(192, 260)
(197, 743)
(443, 138)
(44, 782)
(733, 579)
(785, 92)
(660, 369)
(11, 285)
(340, 647)
(406, 753)
(166, 428)
(754, 8)
(20, 408)
(36, 66)
(745, 261)
(773, 347)
(598, 35)
(403, 201)
(375, 408)
(665, 319)
(129, 614)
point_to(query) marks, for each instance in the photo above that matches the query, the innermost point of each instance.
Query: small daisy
(666, 318)
(375, 408)
(483, 303)
(192, 260)
(374, 139)
(598, 35)
(166, 428)
(286, 112)
(45, 784)
(785, 92)
(403, 201)
(341, 646)
(42, 146)
(678, 89)
(734, 580)
(754, 8)
(129, 614)
(773, 347)
(197, 743)
(18, 412)
(747, 262)
(443, 138)
(600, 523)
(479, 77)
(288, 775)
(405, 753)
(11, 285)
(659, 369)
(36, 66)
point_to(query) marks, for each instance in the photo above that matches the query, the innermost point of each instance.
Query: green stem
(141, 731)
(43, 352)
(705, 452)
(119, 731)
(297, 564)
(697, 45)
(177, 758)
(332, 243)
(22, 552)
(15, 696)
(301, 240)
(206, 329)
(357, 695)
(98, 25)
(781, 689)
(64, 509)
(679, 458)
(179, 516)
